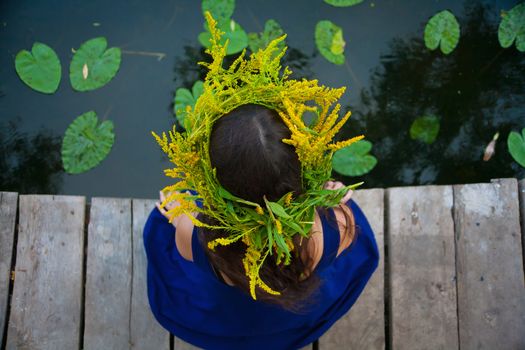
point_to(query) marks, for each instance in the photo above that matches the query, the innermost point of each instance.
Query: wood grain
(146, 332)
(491, 293)
(422, 268)
(363, 327)
(8, 203)
(46, 302)
(108, 275)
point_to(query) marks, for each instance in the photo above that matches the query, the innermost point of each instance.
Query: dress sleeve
(159, 235)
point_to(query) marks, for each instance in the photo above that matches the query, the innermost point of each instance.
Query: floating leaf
(329, 41)
(512, 27)
(238, 39)
(343, 3)
(221, 10)
(516, 145)
(354, 160)
(101, 64)
(85, 144)
(185, 98)
(272, 30)
(442, 28)
(425, 129)
(39, 69)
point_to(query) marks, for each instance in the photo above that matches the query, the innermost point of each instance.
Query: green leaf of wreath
(442, 30)
(39, 69)
(85, 143)
(93, 66)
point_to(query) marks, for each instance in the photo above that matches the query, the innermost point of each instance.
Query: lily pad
(221, 10)
(425, 129)
(354, 160)
(343, 3)
(442, 30)
(516, 145)
(512, 27)
(272, 30)
(85, 143)
(93, 66)
(238, 39)
(40, 69)
(330, 42)
(185, 98)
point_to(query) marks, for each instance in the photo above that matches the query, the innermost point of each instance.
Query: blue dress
(190, 301)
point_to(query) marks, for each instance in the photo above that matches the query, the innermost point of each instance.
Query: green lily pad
(184, 98)
(272, 30)
(516, 145)
(40, 69)
(85, 144)
(512, 27)
(343, 3)
(329, 41)
(221, 10)
(354, 160)
(442, 30)
(238, 39)
(93, 66)
(425, 129)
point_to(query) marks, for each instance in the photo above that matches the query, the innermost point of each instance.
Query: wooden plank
(180, 344)
(521, 187)
(146, 332)
(108, 275)
(8, 202)
(363, 327)
(47, 296)
(491, 293)
(422, 268)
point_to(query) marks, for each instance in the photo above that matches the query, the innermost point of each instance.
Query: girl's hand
(335, 185)
(169, 206)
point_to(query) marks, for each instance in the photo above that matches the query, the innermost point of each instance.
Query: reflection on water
(29, 163)
(476, 91)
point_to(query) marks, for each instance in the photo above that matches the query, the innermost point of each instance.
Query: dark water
(391, 78)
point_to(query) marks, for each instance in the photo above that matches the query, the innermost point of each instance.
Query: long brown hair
(252, 162)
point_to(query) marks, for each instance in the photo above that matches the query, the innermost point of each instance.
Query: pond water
(392, 78)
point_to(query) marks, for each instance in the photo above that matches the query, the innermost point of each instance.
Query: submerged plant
(354, 160)
(39, 69)
(329, 41)
(442, 30)
(516, 145)
(93, 66)
(86, 143)
(425, 129)
(512, 27)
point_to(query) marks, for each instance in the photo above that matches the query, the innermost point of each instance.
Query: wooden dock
(72, 274)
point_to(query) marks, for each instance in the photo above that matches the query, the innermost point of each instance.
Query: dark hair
(251, 161)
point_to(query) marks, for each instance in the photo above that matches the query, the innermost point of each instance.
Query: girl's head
(251, 160)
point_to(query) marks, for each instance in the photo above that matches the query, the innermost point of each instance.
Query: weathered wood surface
(108, 275)
(46, 302)
(491, 294)
(8, 203)
(146, 333)
(422, 268)
(522, 216)
(363, 327)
